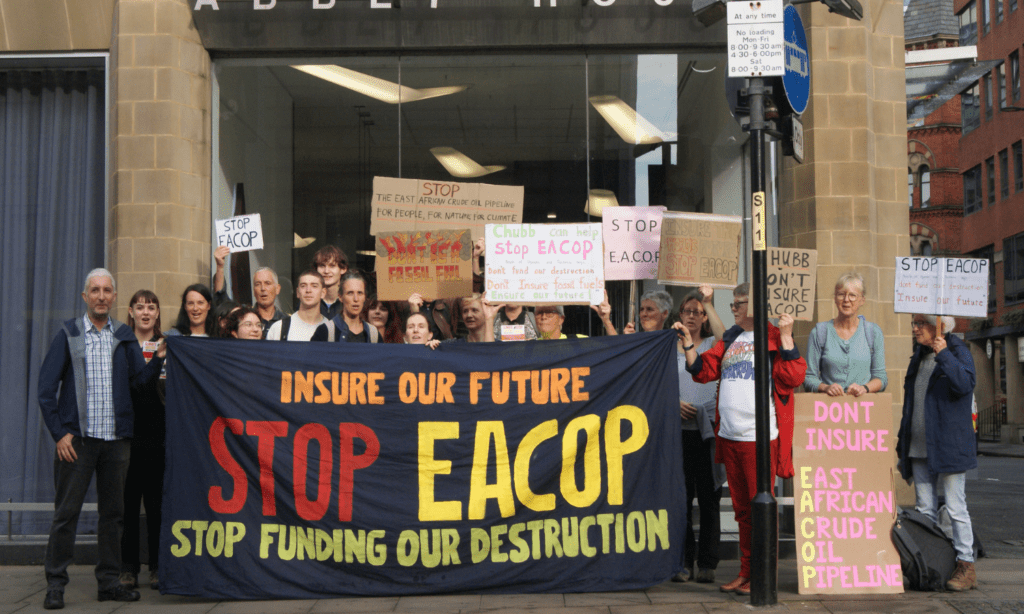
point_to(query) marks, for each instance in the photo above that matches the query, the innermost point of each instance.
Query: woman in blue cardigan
(936, 439)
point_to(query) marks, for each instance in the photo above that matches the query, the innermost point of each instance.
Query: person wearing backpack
(936, 437)
(846, 355)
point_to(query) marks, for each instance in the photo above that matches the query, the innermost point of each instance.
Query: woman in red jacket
(731, 361)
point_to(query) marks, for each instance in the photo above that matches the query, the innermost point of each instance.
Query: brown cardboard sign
(844, 454)
(699, 248)
(415, 204)
(791, 277)
(435, 263)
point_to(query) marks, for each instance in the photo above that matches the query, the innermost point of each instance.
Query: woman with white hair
(936, 439)
(654, 308)
(847, 354)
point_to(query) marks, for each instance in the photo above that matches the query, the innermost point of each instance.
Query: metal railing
(991, 420)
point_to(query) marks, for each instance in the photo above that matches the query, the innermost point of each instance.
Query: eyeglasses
(545, 314)
(692, 312)
(242, 325)
(918, 324)
(737, 305)
(842, 296)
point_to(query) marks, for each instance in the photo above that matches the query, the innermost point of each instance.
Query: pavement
(1010, 450)
(1001, 591)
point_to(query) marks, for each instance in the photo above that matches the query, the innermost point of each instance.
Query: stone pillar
(1014, 392)
(984, 387)
(848, 199)
(161, 147)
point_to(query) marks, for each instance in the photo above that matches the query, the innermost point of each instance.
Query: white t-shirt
(298, 330)
(736, 392)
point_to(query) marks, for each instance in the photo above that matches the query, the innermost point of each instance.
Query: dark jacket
(788, 371)
(341, 331)
(949, 427)
(63, 374)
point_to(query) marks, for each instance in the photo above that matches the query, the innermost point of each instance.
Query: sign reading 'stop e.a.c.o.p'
(942, 286)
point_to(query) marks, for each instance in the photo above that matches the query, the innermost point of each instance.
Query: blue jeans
(109, 461)
(925, 486)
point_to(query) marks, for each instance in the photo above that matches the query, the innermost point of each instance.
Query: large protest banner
(699, 248)
(544, 264)
(435, 263)
(308, 470)
(844, 453)
(632, 237)
(415, 204)
(942, 286)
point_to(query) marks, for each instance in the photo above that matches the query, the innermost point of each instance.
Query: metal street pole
(765, 516)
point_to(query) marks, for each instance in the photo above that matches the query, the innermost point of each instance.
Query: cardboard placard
(942, 286)
(242, 233)
(415, 204)
(791, 277)
(844, 454)
(699, 248)
(545, 264)
(435, 263)
(632, 237)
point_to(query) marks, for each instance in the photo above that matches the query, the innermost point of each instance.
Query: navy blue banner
(304, 470)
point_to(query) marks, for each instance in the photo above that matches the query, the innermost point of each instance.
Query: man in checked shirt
(85, 396)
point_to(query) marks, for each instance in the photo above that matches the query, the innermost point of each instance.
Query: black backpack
(927, 556)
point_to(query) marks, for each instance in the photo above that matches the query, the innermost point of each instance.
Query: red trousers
(741, 470)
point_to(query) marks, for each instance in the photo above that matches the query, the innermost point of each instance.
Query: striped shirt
(99, 382)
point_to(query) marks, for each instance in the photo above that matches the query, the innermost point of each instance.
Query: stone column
(848, 199)
(161, 147)
(1014, 394)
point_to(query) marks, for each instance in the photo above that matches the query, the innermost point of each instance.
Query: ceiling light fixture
(460, 165)
(626, 122)
(599, 199)
(384, 91)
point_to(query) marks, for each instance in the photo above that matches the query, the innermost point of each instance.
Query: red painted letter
(312, 510)
(266, 431)
(348, 431)
(219, 447)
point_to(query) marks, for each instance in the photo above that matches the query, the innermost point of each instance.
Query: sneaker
(743, 589)
(154, 580)
(705, 576)
(120, 592)
(54, 600)
(682, 576)
(964, 578)
(735, 584)
(129, 579)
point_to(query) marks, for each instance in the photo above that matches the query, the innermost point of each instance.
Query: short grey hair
(660, 298)
(98, 273)
(948, 322)
(742, 290)
(849, 278)
(266, 268)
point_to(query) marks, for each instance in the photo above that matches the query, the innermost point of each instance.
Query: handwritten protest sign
(414, 204)
(632, 236)
(942, 286)
(844, 453)
(791, 275)
(699, 248)
(545, 264)
(435, 263)
(242, 233)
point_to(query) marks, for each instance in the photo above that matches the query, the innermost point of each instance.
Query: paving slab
(356, 604)
(439, 603)
(530, 601)
(607, 599)
(284, 606)
(888, 606)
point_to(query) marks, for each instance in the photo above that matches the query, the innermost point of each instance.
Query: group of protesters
(101, 378)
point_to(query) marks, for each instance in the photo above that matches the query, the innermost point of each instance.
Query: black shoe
(54, 600)
(119, 593)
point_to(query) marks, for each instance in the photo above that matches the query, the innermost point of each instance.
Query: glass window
(999, 11)
(1015, 74)
(1001, 84)
(926, 187)
(990, 175)
(987, 253)
(986, 18)
(910, 189)
(970, 109)
(972, 190)
(1013, 5)
(986, 87)
(1018, 166)
(969, 25)
(1013, 268)
(1004, 174)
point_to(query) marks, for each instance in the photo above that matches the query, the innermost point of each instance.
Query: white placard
(942, 286)
(756, 41)
(242, 233)
(632, 236)
(545, 264)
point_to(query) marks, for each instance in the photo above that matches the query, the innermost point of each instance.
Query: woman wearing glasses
(244, 323)
(704, 477)
(847, 354)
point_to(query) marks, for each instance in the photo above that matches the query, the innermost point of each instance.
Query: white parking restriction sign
(756, 43)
